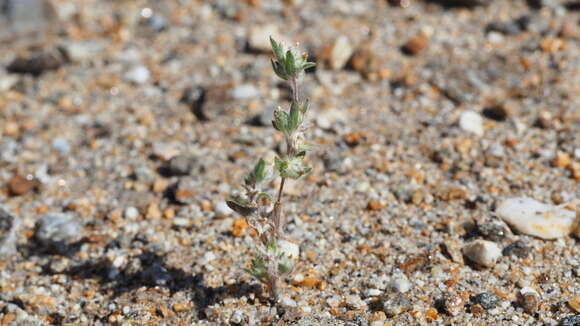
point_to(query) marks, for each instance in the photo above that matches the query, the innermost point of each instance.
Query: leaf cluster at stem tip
(288, 63)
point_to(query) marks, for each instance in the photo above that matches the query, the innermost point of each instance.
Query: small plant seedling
(275, 257)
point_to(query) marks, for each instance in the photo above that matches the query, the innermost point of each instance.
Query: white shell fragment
(483, 252)
(531, 217)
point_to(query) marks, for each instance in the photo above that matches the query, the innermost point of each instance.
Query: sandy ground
(124, 126)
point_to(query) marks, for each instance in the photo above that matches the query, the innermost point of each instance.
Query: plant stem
(294, 86)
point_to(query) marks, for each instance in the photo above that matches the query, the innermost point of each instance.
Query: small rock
(222, 209)
(138, 74)
(35, 63)
(498, 112)
(290, 249)
(416, 44)
(336, 54)
(83, 50)
(287, 301)
(131, 213)
(531, 217)
(493, 229)
(354, 302)
(244, 92)
(574, 303)
(520, 248)
(153, 211)
(185, 192)
(453, 304)
(237, 317)
(8, 229)
(562, 160)
(450, 192)
(182, 164)
(195, 97)
(239, 227)
(7, 82)
(395, 304)
(61, 145)
(471, 121)
(482, 252)
(453, 249)
(166, 151)
(400, 284)
(181, 306)
(58, 230)
(155, 22)
(573, 320)
(529, 300)
(19, 186)
(486, 300)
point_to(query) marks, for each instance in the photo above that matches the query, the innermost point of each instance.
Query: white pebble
(471, 121)
(245, 92)
(400, 284)
(483, 252)
(287, 301)
(131, 213)
(138, 75)
(222, 209)
(354, 301)
(531, 217)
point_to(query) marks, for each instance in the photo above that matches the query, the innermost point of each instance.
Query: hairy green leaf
(277, 49)
(279, 70)
(290, 63)
(281, 121)
(308, 65)
(294, 117)
(241, 205)
(258, 269)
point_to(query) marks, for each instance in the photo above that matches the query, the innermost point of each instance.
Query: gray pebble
(486, 300)
(573, 320)
(58, 230)
(183, 165)
(8, 228)
(395, 304)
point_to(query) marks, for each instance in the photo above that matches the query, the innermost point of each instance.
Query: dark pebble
(518, 248)
(573, 320)
(35, 63)
(486, 300)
